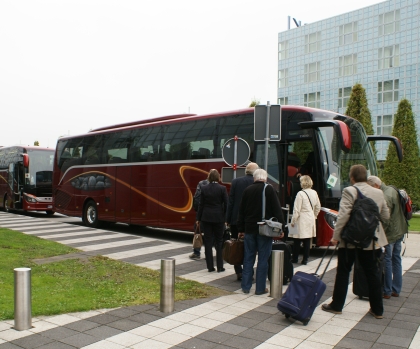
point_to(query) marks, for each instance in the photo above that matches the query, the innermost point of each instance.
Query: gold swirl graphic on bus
(183, 209)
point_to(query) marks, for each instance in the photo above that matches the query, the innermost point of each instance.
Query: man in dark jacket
(235, 195)
(395, 229)
(250, 212)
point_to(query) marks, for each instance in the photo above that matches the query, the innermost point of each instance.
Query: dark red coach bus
(145, 172)
(26, 178)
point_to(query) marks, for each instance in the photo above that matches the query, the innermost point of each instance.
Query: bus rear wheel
(90, 214)
(49, 212)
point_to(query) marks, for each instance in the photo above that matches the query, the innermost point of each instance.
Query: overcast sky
(70, 66)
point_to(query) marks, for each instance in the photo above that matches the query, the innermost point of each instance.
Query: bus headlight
(330, 219)
(29, 198)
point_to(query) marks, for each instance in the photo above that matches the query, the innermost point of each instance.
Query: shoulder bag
(268, 227)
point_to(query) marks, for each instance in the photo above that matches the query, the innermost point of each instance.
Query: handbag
(233, 251)
(268, 227)
(198, 237)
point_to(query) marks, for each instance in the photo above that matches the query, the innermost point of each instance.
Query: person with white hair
(250, 212)
(395, 229)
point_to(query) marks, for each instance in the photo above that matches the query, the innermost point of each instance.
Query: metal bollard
(23, 305)
(276, 283)
(167, 285)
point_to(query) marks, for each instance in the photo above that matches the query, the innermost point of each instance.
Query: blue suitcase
(303, 294)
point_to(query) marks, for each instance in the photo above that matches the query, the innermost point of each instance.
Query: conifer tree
(405, 174)
(254, 102)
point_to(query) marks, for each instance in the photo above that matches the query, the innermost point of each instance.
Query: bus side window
(204, 152)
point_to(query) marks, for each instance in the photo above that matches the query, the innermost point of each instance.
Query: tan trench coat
(304, 215)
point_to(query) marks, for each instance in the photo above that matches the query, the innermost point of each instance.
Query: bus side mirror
(25, 160)
(392, 139)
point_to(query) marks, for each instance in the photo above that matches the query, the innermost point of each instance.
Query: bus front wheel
(90, 214)
(6, 204)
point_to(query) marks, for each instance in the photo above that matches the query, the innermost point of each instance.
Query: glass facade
(377, 46)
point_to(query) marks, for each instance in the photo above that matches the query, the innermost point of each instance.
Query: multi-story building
(377, 46)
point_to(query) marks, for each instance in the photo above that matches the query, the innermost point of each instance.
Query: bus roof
(28, 147)
(180, 117)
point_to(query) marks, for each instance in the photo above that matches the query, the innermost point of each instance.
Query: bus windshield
(40, 167)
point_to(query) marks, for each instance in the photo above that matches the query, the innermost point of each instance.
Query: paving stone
(123, 312)
(9, 345)
(256, 315)
(144, 318)
(258, 335)
(244, 322)
(229, 328)
(214, 336)
(142, 307)
(56, 345)
(408, 318)
(59, 333)
(103, 319)
(363, 335)
(103, 332)
(348, 342)
(195, 343)
(393, 340)
(368, 327)
(269, 327)
(124, 324)
(403, 325)
(32, 341)
(371, 320)
(80, 340)
(82, 325)
(398, 332)
(409, 311)
(242, 342)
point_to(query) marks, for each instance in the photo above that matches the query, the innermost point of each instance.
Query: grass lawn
(80, 285)
(414, 223)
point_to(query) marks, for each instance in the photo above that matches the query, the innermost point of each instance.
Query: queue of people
(242, 210)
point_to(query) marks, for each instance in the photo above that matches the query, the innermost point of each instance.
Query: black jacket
(213, 203)
(250, 210)
(235, 196)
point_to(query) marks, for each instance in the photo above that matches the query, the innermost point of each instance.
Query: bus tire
(6, 206)
(49, 212)
(90, 214)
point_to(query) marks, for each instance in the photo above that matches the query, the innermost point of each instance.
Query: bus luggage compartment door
(123, 194)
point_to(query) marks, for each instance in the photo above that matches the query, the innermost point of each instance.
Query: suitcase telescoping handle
(325, 253)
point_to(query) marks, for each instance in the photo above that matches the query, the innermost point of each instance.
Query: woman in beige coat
(305, 211)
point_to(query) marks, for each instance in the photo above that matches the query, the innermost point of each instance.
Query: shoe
(328, 308)
(386, 296)
(211, 270)
(239, 276)
(265, 291)
(220, 270)
(245, 291)
(304, 262)
(394, 294)
(374, 315)
(195, 256)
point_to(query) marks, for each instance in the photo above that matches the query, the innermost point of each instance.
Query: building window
(312, 42)
(343, 96)
(389, 22)
(384, 125)
(312, 71)
(312, 100)
(348, 33)
(283, 50)
(347, 65)
(283, 78)
(388, 91)
(283, 100)
(389, 57)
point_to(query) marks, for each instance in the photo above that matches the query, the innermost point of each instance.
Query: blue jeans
(252, 244)
(393, 268)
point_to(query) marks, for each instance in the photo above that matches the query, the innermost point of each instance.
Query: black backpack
(364, 220)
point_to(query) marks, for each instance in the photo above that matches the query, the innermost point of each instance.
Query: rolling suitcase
(360, 285)
(287, 262)
(303, 294)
